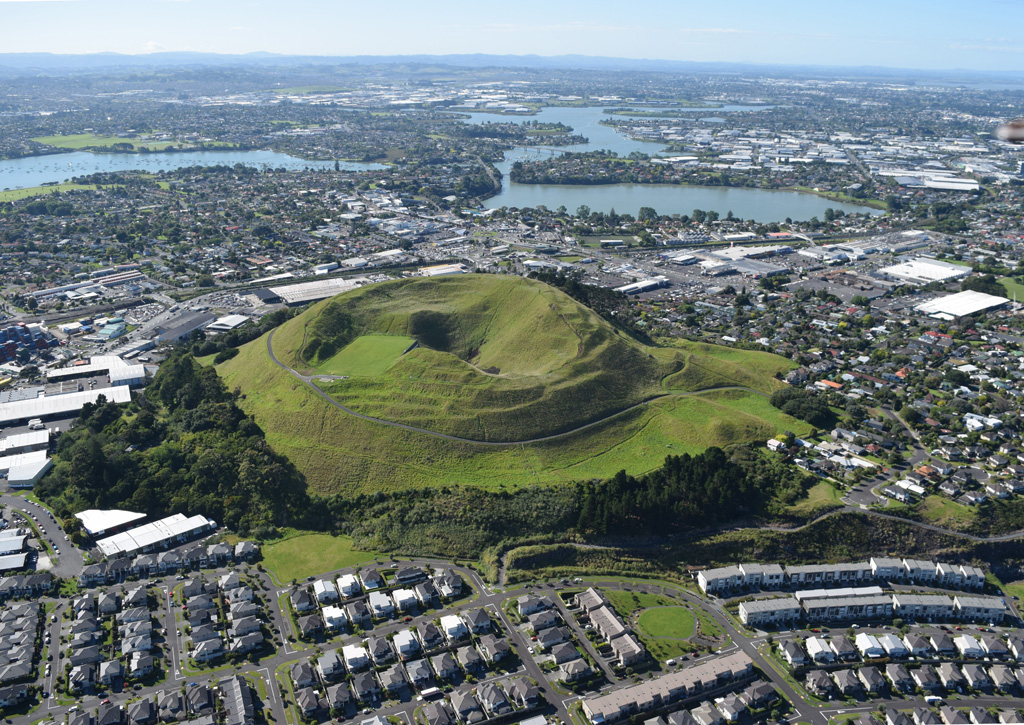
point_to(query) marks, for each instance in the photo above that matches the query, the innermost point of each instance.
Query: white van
(35, 424)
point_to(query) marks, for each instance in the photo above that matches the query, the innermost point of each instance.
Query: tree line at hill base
(185, 446)
(182, 446)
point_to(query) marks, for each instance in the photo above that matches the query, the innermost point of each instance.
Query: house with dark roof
(307, 701)
(466, 707)
(338, 697)
(493, 699)
(438, 713)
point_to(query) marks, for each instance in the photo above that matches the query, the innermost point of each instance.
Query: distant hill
(13, 64)
(494, 360)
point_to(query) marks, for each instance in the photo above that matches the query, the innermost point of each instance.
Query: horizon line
(565, 56)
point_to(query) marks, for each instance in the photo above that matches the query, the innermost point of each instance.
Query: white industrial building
(296, 294)
(52, 406)
(441, 270)
(156, 535)
(923, 270)
(27, 474)
(227, 323)
(33, 440)
(97, 522)
(644, 285)
(961, 304)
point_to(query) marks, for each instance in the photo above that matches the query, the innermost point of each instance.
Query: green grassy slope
(440, 391)
(500, 358)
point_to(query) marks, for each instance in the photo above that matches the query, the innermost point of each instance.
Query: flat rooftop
(961, 304)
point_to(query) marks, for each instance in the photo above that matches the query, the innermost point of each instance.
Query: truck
(933, 700)
(35, 424)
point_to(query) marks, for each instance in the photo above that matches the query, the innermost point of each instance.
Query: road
(70, 561)
(484, 596)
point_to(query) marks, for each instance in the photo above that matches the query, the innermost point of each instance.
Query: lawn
(1014, 589)
(18, 194)
(674, 622)
(307, 555)
(1013, 288)
(80, 141)
(367, 355)
(942, 511)
(820, 498)
(625, 603)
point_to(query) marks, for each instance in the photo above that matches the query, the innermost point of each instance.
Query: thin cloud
(996, 48)
(716, 31)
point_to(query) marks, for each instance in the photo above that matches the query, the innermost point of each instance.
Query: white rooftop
(961, 304)
(97, 364)
(923, 271)
(19, 460)
(318, 290)
(96, 521)
(25, 476)
(228, 322)
(25, 440)
(151, 534)
(44, 406)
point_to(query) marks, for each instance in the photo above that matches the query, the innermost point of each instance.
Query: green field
(944, 512)
(80, 141)
(17, 194)
(674, 622)
(499, 359)
(821, 497)
(367, 355)
(1013, 287)
(307, 555)
(625, 603)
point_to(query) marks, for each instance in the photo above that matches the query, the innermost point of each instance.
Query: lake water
(57, 168)
(758, 204)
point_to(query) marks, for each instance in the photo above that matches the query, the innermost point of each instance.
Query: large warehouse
(961, 304)
(923, 270)
(119, 371)
(55, 406)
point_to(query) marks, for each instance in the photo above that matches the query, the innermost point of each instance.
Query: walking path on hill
(308, 381)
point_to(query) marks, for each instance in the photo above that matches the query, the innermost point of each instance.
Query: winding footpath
(308, 381)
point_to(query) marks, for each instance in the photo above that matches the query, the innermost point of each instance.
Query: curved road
(308, 381)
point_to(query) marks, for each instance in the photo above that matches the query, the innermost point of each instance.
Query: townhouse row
(870, 604)
(750, 577)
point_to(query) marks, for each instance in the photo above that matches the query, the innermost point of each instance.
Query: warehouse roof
(13, 562)
(25, 440)
(44, 406)
(96, 521)
(961, 304)
(97, 364)
(923, 270)
(19, 460)
(228, 322)
(317, 290)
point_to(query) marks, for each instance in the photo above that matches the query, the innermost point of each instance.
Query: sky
(939, 34)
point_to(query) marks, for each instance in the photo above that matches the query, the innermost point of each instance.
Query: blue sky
(972, 34)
